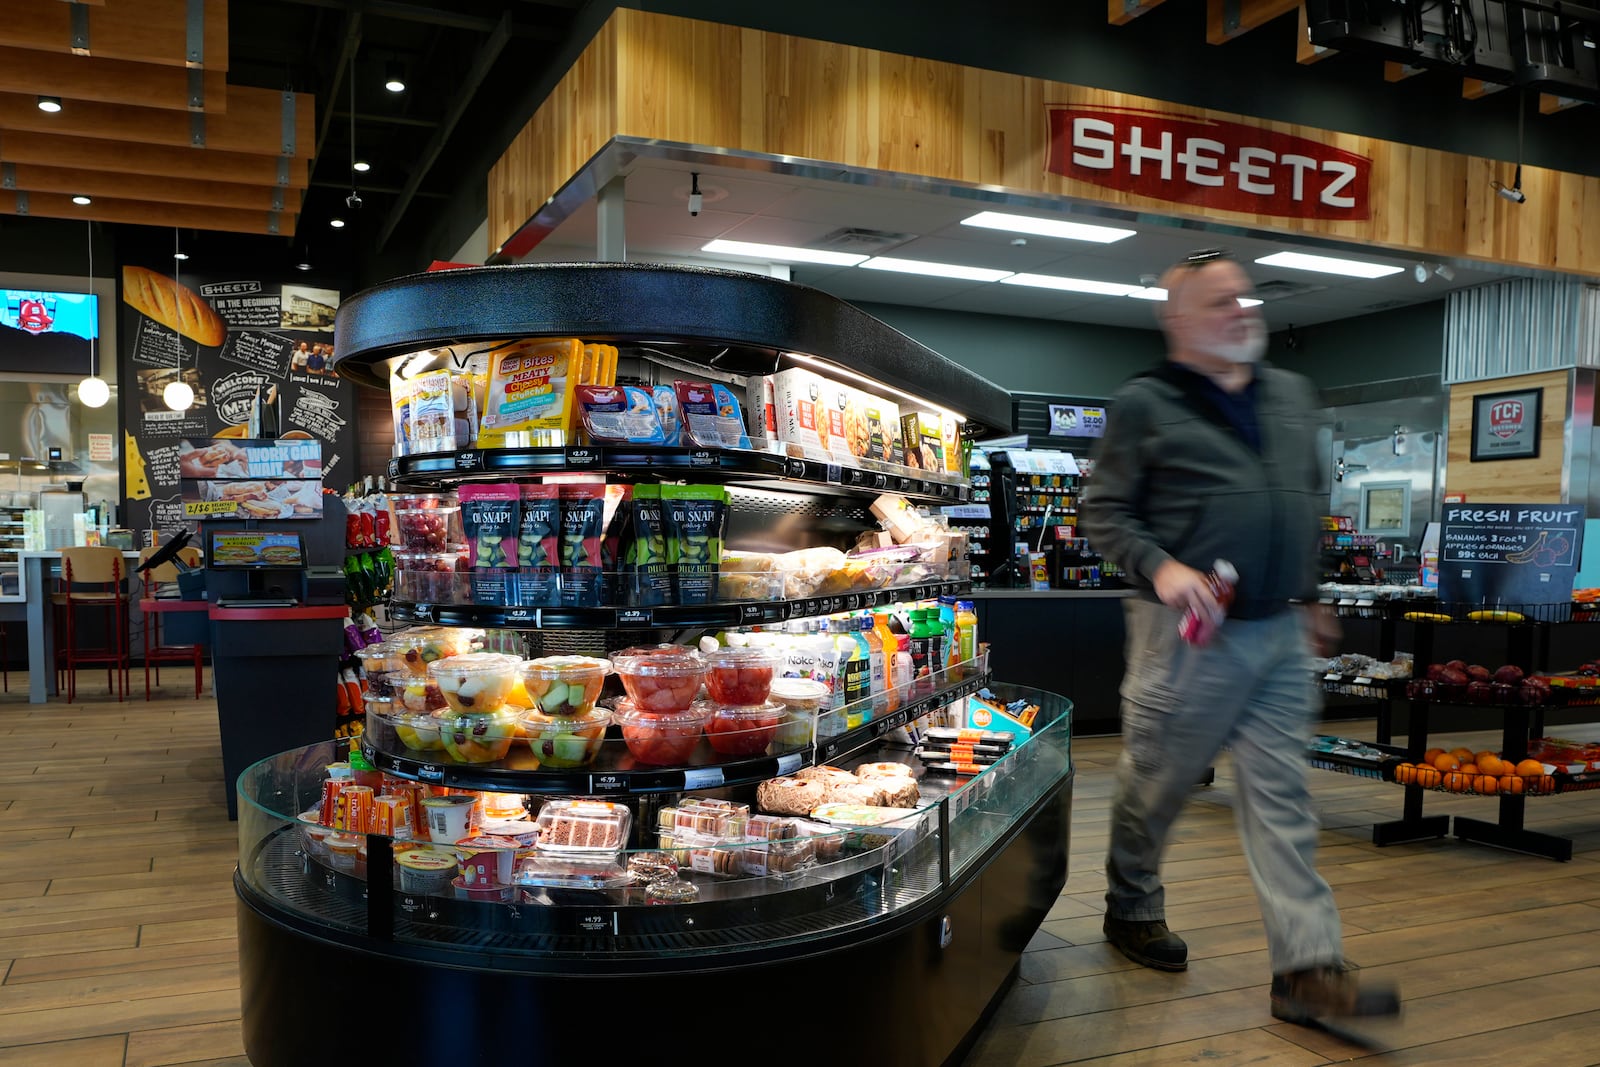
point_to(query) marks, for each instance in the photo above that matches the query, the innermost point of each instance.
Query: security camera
(1512, 193)
(353, 201)
(1149, 280)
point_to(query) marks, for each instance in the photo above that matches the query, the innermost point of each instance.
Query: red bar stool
(93, 579)
(160, 652)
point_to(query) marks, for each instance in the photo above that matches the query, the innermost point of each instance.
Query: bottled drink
(1197, 629)
(966, 639)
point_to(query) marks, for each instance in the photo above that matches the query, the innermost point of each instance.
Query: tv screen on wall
(43, 331)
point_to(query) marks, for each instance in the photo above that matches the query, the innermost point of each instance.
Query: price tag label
(750, 612)
(1331, 676)
(422, 612)
(466, 461)
(518, 614)
(702, 457)
(606, 783)
(852, 602)
(394, 469)
(830, 751)
(1361, 681)
(880, 481)
(834, 474)
(945, 490)
(796, 468)
(598, 923)
(702, 778)
(583, 457)
(1346, 602)
(430, 772)
(633, 617)
(904, 485)
(830, 605)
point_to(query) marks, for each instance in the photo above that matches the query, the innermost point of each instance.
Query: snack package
(400, 404)
(530, 394)
(582, 531)
(618, 521)
(614, 415)
(696, 520)
(924, 440)
(432, 426)
(711, 416)
(473, 376)
(539, 547)
(950, 428)
(490, 515)
(646, 575)
(666, 402)
(801, 408)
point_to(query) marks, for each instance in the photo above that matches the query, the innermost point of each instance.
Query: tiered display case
(901, 937)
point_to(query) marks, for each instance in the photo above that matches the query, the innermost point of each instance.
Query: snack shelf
(671, 616)
(437, 470)
(616, 774)
(1360, 685)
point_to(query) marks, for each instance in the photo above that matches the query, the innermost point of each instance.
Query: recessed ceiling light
(361, 165)
(1250, 302)
(394, 78)
(81, 200)
(51, 104)
(180, 255)
(302, 265)
(337, 224)
(1350, 268)
(1072, 285)
(935, 270)
(1072, 231)
(783, 253)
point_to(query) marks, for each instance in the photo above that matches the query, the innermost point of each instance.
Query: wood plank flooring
(117, 938)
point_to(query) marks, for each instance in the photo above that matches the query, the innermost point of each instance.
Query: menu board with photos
(240, 342)
(279, 479)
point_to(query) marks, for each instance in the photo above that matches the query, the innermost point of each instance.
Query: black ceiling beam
(387, 120)
(433, 16)
(466, 89)
(378, 190)
(347, 57)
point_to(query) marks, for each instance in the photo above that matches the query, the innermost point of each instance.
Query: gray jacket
(1174, 480)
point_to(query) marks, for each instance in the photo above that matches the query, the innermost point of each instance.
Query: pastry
(173, 305)
(902, 792)
(790, 796)
(854, 791)
(883, 770)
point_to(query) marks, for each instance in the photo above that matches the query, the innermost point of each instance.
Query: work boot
(1149, 944)
(1328, 991)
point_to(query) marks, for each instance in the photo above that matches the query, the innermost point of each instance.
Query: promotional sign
(222, 478)
(1509, 555)
(1067, 420)
(255, 352)
(1506, 425)
(256, 548)
(1207, 163)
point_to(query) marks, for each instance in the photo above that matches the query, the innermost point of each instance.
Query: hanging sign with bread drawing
(1500, 560)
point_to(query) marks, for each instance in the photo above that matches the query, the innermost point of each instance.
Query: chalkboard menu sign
(1509, 554)
(238, 341)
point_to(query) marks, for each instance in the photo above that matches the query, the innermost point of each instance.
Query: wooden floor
(117, 936)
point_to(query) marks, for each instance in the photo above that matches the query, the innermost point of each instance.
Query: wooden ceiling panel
(110, 81)
(141, 31)
(156, 188)
(1227, 19)
(253, 124)
(1122, 12)
(138, 213)
(83, 153)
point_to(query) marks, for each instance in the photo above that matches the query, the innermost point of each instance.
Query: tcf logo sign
(1505, 419)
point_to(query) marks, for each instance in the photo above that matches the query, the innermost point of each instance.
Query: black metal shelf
(673, 616)
(520, 772)
(441, 469)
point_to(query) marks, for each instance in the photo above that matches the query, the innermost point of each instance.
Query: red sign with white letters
(1505, 418)
(1207, 163)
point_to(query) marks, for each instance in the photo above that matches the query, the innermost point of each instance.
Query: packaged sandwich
(619, 414)
(490, 515)
(666, 402)
(696, 521)
(531, 386)
(711, 416)
(539, 547)
(646, 575)
(582, 531)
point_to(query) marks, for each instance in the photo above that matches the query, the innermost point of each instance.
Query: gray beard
(1250, 350)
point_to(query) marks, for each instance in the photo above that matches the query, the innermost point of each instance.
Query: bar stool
(92, 578)
(160, 653)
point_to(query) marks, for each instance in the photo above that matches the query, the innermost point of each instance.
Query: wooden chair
(158, 653)
(93, 579)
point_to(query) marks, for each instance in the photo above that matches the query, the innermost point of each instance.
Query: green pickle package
(539, 547)
(696, 518)
(646, 576)
(490, 516)
(582, 532)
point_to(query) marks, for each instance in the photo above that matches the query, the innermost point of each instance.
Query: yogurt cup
(425, 870)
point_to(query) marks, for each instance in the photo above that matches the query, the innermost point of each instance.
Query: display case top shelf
(724, 320)
(440, 469)
(673, 616)
(520, 772)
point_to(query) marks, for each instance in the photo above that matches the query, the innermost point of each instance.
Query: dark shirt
(1239, 409)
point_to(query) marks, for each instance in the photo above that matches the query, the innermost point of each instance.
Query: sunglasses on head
(1199, 258)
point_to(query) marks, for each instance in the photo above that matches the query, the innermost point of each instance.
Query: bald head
(1205, 324)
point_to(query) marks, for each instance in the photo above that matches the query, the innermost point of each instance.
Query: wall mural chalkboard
(231, 339)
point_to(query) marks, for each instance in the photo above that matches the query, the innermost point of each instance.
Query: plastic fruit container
(660, 679)
(433, 577)
(420, 733)
(418, 694)
(801, 698)
(741, 676)
(426, 522)
(383, 658)
(421, 646)
(661, 739)
(477, 681)
(565, 741)
(564, 685)
(481, 737)
(746, 730)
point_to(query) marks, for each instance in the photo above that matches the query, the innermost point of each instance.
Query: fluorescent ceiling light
(783, 253)
(1350, 268)
(1072, 285)
(1249, 302)
(935, 270)
(1155, 293)
(1072, 231)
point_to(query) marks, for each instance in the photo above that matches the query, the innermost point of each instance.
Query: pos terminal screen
(259, 549)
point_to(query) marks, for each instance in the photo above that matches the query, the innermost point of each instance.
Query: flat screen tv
(44, 331)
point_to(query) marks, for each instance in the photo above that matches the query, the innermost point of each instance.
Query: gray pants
(1249, 689)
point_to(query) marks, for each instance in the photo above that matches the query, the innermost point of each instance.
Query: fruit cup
(564, 685)
(426, 522)
(420, 733)
(746, 730)
(478, 737)
(661, 679)
(566, 741)
(433, 577)
(741, 676)
(421, 646)
(476, 682)
(661, 739)
(418, 694)
(801, 698)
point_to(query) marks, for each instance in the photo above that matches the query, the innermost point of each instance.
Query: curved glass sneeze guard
(601, 881)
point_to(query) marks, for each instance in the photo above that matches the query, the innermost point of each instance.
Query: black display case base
(1422, 828)
(1514, 838)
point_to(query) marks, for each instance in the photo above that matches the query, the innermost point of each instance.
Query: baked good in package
(790, 796)
(583, 826)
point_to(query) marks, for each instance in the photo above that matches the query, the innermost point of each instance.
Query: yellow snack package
(530, 394)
